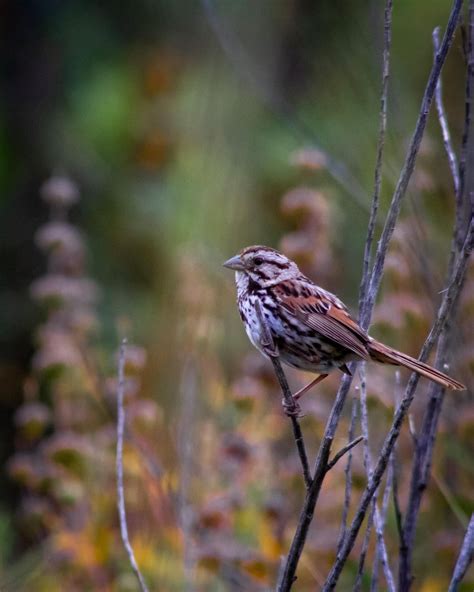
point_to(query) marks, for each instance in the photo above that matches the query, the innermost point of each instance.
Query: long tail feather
(386, 355)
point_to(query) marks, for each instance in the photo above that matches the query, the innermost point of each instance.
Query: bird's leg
(309, 386)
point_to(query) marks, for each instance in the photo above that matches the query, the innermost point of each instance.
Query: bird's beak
(234, 263)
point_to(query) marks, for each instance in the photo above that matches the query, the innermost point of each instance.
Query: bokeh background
(141, 144)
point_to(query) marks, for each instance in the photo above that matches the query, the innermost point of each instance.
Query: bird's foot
(292, 409)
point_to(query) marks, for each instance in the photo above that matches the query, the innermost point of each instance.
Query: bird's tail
(386, 355)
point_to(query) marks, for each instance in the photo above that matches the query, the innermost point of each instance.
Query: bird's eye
(258, 261)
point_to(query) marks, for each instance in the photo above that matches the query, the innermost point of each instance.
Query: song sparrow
(311, 328)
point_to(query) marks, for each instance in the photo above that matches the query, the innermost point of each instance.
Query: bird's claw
(292, 409)
(270, 349)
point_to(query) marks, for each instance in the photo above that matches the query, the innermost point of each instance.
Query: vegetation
(141, 147)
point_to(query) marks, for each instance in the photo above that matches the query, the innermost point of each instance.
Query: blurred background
(141, 145)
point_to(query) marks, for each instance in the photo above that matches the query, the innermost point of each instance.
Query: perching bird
(311, 328)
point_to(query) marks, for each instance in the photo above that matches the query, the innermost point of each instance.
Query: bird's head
(263, 266)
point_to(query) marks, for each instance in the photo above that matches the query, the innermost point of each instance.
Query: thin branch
(390, 485)
(465, 557)
(421, 471)
(380, 149)
(307, 512)
(379, 557)
(443, 122)
(348, 477)
(394, 466)
(457, 170)
(365, 547)
(120, 487)
(297, 433)
(380, 541)
(290, 404)
(396, 498)
(320, 470)
(409, 164)
(425, 440)
(343, 451)
(444, 313)
(467, 133)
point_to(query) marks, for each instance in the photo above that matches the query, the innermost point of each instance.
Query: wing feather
(325, 313)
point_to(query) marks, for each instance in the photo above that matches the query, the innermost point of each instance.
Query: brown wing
(323, 312)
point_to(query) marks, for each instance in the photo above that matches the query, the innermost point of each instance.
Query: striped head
(262, 266)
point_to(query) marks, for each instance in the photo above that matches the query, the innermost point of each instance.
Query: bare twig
(297, 433)
(381, 548)
(379, 557)
(409, 164)
(443, 122)
(465, 557)
(306, 515)
(396, 497)
(343, 451)
(307, 512)
(348, 477)
(389, 486)
(379, 159)
(466, 142)
(425, 440)
(457, 170)
(319, 472)
(365, 547)
(444, 314)
(120, 487)
(290, 403)
(394, 466)
(421, 471)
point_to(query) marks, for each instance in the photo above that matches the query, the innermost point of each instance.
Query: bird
(310, 328)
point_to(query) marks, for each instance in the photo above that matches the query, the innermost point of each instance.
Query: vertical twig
(379, 160)
(380, 546)
(466, 150)
(288, 397)
(348, 477)
(465, 557)
(365, 547)
(389, 486)
(395, 467)
(409, 165)
(307, 512)
(396, 497)
(420, 472)
(425, 441)
(383, 517)
(444, 314)
(319, 472)
(443, 122)
(120, 487)
(457, 170)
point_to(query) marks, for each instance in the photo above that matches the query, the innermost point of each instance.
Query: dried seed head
(32, 419)
(59, 236)
(310, 159)
(60, 192)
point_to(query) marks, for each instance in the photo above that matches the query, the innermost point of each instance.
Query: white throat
(242, 282)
